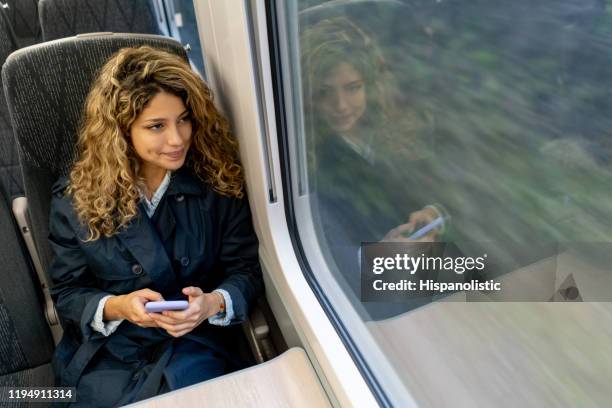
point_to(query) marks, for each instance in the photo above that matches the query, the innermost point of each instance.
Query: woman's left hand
(201, 307)
(418, 218)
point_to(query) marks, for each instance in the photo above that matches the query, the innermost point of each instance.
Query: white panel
(225, 39)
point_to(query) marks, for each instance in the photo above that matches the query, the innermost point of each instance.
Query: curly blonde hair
(338, 40)
(104, 181)
(330, 43)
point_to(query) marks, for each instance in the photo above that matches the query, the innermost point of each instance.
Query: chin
(174, 165)
(343, 129)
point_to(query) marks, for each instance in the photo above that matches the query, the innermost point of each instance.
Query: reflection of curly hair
(338, 40)
(330, 42)
(104, 181)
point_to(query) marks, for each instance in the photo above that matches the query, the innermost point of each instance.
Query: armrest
(259, 329)
(20, 211)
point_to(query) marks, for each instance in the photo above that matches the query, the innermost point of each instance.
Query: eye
(185, 119)
(323, 92)
(156, 126)
(355, 87)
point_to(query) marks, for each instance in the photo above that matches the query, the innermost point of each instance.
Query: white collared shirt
(151, 205)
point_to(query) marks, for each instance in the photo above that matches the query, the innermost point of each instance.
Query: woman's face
(341, 98)
(161, 134)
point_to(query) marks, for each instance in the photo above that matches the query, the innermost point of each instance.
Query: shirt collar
(151, 205)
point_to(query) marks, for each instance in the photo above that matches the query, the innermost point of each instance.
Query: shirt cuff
(98, 321)
(223, 319)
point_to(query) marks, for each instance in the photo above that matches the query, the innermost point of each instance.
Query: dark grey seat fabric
(26, 344)
(66, 18)
(41, 376)
(11, 182)
(26, 340)
(45, 87)
(23, 16)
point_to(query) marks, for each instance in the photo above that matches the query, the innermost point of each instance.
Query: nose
(340, 103)
(174, 136)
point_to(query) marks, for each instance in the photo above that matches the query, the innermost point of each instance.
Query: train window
(493, 117)
(183, 27)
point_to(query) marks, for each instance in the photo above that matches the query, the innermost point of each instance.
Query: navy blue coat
(196, 237)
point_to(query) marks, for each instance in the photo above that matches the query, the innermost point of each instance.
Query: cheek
(145, 147)
(360, 99)
(188, 135)
(137, 145)
(324, 107)
(360, 103)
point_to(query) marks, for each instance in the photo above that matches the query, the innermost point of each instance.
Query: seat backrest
(11, 183)
(66, 18)
(26, 343)
(23, 16)
(45, 87)
(26, 340)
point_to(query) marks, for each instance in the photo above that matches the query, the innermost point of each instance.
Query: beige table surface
(285, 381)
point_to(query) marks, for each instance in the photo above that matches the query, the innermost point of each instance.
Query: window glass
(185, 29)
(494, 116)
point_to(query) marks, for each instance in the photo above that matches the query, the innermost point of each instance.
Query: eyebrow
(164, 119)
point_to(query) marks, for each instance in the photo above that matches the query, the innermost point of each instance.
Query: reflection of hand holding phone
(158, 307)
(421, 232)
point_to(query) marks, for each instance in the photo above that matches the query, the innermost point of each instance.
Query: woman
(153, 209)
(370, 168)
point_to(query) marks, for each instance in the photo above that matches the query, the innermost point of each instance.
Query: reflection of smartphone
(421, 232)
(156, 307)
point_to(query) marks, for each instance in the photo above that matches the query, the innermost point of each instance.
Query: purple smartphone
(156, 307)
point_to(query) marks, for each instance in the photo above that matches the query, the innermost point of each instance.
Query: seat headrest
(8, 41)
(59, 19)
(10, 176)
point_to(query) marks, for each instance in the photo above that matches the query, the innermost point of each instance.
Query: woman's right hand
(131, 307)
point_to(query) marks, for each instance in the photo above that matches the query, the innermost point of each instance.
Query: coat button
(137, 269)
(184, 261)
(180, 197)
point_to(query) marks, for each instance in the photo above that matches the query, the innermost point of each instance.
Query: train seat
(23, 17)
(66, 18)
(11, 182)
(27, 346)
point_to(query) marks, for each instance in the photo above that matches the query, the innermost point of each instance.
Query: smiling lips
(342, 119)
(175, 155)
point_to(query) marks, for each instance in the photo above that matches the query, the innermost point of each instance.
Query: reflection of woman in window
(153, 209)
(347, 109)
(363, 192)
